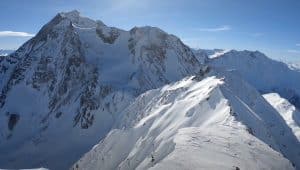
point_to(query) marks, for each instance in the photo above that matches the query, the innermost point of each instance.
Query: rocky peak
(71, 15)
(78, 20)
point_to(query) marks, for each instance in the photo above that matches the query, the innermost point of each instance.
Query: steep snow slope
(263, 73)
(191, 124)
(290, 114)
(66, 86)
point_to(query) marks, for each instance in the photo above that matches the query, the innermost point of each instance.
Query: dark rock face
(88, 102)
(47, 31)
(57, 76)
(17, 75)
(43, 74)
(12, 121)
(111, 37)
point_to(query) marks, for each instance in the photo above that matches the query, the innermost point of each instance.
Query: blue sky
(271, 26)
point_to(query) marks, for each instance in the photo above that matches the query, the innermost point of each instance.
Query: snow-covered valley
(84, 95)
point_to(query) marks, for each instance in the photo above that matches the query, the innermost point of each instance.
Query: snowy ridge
(191, 124)
(265, 74)
(290, 114)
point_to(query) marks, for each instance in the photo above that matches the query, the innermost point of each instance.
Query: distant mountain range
(5, 52)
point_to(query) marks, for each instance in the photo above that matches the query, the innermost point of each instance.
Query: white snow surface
(265, 74)
(190, 124)
(290, 114)
(218, 53)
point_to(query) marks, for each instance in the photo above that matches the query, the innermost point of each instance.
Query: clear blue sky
(271, 26)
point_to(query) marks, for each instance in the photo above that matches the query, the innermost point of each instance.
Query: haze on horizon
(268, 26)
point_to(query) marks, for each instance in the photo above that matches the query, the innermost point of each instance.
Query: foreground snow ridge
(189, 124)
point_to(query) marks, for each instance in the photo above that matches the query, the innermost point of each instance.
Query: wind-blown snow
(218, 53)
(214, 53)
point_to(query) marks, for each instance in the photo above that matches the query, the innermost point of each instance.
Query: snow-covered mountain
(263, 73)
(150, 100)
(220, 122)
(62, 90)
